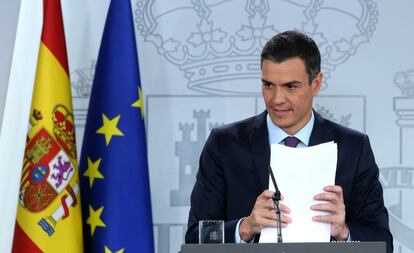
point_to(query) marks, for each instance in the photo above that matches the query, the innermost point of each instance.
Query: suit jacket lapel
(259, 141)
(320, 133)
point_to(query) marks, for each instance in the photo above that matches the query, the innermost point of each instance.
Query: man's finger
(324, 218)
(333, 219)
(324, 207)
(328, 196)
(333, 188)
(266, 194)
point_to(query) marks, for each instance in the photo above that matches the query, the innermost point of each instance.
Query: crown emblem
(63, 128)
(405, 81)
(215, 52)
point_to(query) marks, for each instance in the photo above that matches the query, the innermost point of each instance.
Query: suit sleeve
(368, 217)
(208, 198)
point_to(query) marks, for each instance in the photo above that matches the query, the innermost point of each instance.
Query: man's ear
(317, 83)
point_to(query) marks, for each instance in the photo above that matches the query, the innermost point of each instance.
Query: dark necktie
(291, 141)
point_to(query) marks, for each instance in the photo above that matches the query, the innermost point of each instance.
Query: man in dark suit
(233, 176)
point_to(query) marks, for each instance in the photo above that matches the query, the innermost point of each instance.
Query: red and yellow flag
(49, 213)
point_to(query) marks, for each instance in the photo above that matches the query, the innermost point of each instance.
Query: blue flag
(114, 169)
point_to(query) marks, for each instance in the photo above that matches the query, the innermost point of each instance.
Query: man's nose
(278, 96)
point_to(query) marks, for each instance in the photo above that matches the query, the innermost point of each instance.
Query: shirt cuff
(347, 240)
(237, 238)
(349, 237)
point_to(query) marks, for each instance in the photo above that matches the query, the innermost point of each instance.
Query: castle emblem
(187, 151)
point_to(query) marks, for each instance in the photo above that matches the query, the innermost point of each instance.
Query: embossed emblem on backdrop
(398, 181)
(211, 49)
(216, 56)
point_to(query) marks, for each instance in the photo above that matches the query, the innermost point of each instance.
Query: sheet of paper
(300, 174)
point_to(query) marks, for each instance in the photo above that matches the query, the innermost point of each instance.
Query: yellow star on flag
(109, 128)
(107, 250)
(93, 171)
(94, 219)
(139, 103)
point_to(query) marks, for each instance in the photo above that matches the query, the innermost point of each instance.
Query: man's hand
(336, 208)
(263, 215)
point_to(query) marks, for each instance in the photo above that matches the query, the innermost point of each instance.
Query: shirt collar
(277, 135)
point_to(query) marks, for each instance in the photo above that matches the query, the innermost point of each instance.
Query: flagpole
(15, 115)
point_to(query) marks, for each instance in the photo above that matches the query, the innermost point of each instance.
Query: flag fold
(114, 170)
(49, 213)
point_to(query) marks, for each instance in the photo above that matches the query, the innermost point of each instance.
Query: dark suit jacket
(233, 173)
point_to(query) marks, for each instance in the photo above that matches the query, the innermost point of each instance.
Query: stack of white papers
(301, 173)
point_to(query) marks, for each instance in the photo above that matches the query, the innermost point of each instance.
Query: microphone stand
(276, 198)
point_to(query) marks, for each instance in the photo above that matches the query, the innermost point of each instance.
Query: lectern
(332, 247)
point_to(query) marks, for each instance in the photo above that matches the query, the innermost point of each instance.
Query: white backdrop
(199, 63)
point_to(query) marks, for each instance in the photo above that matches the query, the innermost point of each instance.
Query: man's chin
(280, 122)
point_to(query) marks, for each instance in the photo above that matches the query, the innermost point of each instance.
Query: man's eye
(290, 86)
(268, 85)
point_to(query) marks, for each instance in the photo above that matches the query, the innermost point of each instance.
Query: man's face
(287, 93)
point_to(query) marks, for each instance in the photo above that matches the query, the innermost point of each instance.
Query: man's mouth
(280, 111)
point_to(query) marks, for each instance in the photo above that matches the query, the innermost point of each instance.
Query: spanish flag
(49, 212)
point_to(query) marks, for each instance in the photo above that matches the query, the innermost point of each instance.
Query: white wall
(8, 23)
(367, 59)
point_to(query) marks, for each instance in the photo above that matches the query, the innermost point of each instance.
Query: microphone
(276, 198)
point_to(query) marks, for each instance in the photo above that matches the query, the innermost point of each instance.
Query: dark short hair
(291, 44)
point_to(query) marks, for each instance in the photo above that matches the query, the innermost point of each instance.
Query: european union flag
(114, 170)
